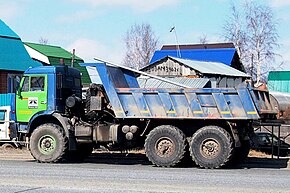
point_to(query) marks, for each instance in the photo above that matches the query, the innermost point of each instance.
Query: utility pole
(73, 58)
(178, 49)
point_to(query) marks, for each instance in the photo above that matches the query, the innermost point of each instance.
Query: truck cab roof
(54, 70)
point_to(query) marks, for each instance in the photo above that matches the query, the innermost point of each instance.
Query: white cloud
(76, 16)
(89, 49)
(10, 10)
(280, 3)
(142, 5)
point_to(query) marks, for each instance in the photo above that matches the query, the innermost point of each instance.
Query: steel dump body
(130, 101)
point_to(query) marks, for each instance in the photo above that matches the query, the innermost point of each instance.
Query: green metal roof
(13, 55)
(51, 51)
(279, 75)
(55, 53)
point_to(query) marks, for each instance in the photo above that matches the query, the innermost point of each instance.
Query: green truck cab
(32, 96)
(40, 101)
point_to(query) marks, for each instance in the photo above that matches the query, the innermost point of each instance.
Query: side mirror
(18, 93)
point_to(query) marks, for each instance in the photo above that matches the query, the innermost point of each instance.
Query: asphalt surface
(133, 173)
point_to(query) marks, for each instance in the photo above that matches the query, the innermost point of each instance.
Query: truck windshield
(37, 84)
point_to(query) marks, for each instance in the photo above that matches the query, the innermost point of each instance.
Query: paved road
(100, 174)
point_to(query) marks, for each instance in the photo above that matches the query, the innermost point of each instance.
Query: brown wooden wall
(3, 81)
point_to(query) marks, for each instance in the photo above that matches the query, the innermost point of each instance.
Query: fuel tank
(281, 102)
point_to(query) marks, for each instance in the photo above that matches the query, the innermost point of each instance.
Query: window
(77, 82)
(13, 82)
(25, 86)
(2, 115)
(37, 84)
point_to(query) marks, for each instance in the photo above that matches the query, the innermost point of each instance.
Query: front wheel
(48, 143)
(165, 146)
(211, 147)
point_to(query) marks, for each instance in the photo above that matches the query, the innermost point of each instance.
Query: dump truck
(211, 126)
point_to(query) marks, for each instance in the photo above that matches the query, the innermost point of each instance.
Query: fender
(64, 121)
(34, 117)
(49, 116)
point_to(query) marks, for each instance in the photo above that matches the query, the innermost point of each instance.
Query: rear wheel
(165, 146)
(48, 143)
(211, 147)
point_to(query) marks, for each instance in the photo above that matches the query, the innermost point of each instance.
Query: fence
(6, 99)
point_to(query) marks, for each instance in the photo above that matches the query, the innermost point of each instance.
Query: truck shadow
(258, 162)
(141, 159)
(118, 158)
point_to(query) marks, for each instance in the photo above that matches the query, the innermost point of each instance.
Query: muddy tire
(211, 147)
(48, 143)
(165, 146)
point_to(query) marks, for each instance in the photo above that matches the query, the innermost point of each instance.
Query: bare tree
(43, 41)
(253, 31)
(234, 32)
(141, 44)
(203, 39)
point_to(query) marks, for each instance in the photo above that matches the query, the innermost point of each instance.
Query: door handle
(43, 102)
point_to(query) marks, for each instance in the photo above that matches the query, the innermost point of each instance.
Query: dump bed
(128, 100)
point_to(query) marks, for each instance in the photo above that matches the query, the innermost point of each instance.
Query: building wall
(171, 68)
(279, 81)
(9, 81)
(279, 85)
(3, 81)
(168, 68)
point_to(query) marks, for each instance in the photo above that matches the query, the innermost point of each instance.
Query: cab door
(31, 97)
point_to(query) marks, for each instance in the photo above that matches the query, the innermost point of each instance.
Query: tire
(165, 146)
(48, 144)
(211, 147)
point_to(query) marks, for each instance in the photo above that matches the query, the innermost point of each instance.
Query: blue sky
(96, 28)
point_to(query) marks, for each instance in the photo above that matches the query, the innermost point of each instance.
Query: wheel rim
(164, 147)
(47, 144)
(210, 148)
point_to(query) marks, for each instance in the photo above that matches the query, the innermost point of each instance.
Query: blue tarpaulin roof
(222, 55)
(13, 55)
